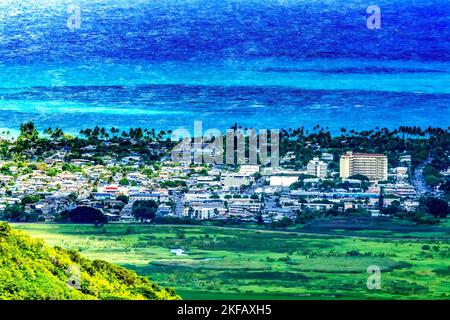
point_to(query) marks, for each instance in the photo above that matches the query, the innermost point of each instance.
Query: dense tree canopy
(84, 214)
(144, 209)
(437, 207)
(123, 198)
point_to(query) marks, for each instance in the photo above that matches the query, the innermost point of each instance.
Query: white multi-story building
(373, 166)
(243, 207)
(317, 168)
(204, 211)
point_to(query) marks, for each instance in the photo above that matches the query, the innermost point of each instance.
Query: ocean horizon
(260, 64)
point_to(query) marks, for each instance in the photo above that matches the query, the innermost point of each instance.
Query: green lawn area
(230, 263)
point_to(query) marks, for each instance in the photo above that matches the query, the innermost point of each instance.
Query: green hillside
(29, 269)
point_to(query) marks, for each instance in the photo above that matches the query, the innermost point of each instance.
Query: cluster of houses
(247, 192)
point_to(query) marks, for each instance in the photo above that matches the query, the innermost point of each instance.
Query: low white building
(204, 211)
(327, 156)
(282, 181)
(235, 180)
(248, 169)
(243, 207)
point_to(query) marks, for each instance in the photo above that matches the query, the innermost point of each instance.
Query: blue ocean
(270, 64)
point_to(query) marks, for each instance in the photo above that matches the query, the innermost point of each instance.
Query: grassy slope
(253, 264)
(31, 270)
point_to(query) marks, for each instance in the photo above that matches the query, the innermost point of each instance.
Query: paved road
(179, 203)
(419, 180)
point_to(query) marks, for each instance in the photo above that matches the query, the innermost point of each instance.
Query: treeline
(304, 143)
(149, 144)
(419, 143)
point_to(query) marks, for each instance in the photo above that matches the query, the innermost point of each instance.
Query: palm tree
(28, 131)
(114, 131)
(87, 133)
(48, 131)
(57, 134)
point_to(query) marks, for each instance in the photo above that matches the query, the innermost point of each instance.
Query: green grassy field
(232, 263)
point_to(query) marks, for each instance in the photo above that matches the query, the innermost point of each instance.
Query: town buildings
(246, 193)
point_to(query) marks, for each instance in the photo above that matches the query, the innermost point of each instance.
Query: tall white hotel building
(373, 166)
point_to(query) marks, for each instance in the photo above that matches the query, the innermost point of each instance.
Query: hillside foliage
(31, 270)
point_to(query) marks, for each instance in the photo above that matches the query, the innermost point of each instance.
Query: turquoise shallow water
(262, 94)
(264, 64)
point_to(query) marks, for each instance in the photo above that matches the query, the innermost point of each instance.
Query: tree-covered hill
(29, 269)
